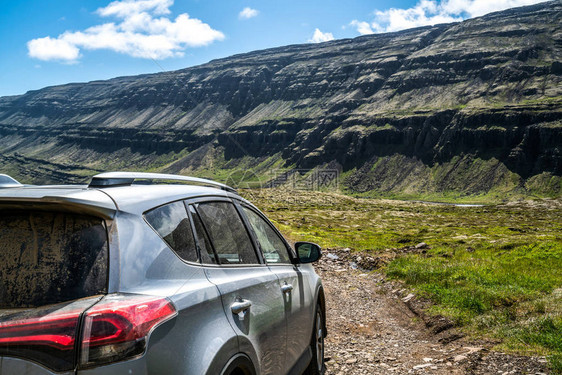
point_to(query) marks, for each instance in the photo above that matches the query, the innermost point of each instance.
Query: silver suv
(123, 277)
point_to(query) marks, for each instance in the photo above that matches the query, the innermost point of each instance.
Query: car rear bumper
(16, 366)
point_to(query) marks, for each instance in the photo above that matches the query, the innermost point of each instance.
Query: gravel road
(377, 327)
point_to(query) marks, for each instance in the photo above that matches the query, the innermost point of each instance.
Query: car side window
(272, 246)
(206, 250)
(172, 224)
(227, 233)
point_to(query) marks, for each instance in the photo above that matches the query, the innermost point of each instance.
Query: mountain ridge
(485, 91)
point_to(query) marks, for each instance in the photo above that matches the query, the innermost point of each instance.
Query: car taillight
(114, 328)
(118, 326)
(57, 332)
(46, 335)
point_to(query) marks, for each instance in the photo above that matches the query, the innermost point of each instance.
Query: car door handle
(287, 288)
(240, 306)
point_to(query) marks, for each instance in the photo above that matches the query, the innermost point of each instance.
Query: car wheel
(240, 371)
(239, 365)
(317, 366)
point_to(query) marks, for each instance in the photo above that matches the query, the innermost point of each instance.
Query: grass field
(496, 270)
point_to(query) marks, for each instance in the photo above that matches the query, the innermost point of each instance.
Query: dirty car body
(118, 277)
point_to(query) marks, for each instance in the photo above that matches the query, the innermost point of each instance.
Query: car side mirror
(308, 252)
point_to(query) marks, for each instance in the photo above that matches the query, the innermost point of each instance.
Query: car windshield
(50, 257)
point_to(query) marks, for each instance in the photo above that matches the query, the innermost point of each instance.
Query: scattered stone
(408, 297)
(460, 358)
(472, 349)
(419, 367)
(422, 245)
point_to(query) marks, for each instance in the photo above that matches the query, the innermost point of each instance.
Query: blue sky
(53, 42)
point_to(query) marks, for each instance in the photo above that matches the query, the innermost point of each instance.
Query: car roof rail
(8, 182)
(113, 179)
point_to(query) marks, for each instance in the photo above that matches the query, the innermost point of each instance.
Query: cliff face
(484, 95)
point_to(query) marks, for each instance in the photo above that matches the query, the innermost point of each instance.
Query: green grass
(472, 284)
(496, 270)
(556, 363)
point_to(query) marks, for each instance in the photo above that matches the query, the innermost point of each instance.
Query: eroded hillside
(468, 108)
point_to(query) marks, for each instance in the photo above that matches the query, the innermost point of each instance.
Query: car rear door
(53, 267)
(252, 299)
(293, 282)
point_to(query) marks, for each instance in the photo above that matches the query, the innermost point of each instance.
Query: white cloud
(426, 12)
(432, 12)
(363, 27)
(127, 8)
(475, 8)
(52, 49)
(137, 33)
(248, 13)
(320, 37)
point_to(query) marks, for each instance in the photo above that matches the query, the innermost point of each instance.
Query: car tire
(316, 365)
(239, 365)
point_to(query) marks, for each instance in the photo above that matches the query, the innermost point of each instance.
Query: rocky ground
(378, 327)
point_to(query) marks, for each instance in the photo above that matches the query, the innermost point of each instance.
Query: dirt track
(377, 327)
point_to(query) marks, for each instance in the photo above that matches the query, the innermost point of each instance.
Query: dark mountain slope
(471, 107)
